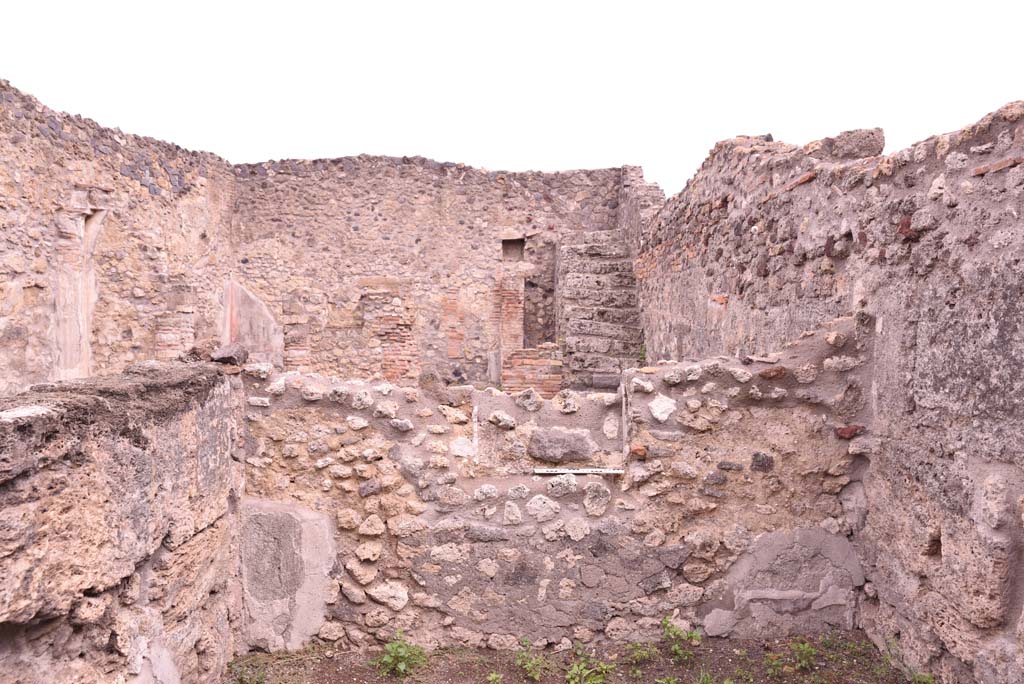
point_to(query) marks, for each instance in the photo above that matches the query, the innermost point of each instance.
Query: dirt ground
(836, 658)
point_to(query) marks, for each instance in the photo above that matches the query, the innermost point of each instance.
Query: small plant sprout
(743, 675)
(495, 678)
(247, 673)
(639, 653)
(401, 658)
(587, 669)
(666, 680)
(805, 655)
(676, 637)
(680, 655)
(773, 664)
(533, 666)
(670, 631)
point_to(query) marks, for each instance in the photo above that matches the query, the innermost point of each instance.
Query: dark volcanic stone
(761, 462)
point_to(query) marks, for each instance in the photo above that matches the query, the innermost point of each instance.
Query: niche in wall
(513, 250)
(536, 252)
(539, 291)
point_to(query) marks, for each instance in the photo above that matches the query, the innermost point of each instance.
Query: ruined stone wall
(722, 500)
(721, 505)
(111, 245)
(435, 521)
(367, 259)
(769, 240)
(849, 452)
(117, 529)
(118, 248)
(751, 463)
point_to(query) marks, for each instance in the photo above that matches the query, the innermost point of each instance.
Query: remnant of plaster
(248, 322)
(78, 229)
(287, 554)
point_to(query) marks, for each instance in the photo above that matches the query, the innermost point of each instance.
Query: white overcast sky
(517, 85)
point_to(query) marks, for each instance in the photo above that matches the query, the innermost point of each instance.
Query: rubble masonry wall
(118, 534)
(771, 239)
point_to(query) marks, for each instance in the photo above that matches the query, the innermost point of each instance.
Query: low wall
(730, 504)
(753, 463)
(117, 535)
(730, 494)
(439, 525)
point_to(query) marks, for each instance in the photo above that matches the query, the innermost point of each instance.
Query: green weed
(744, 675)
(640, 653)
(670, 631)
(677, 639)
(401, 658)
(587, 669)
(773, 664)
(533, 666)
(247, 673)
(805, 655)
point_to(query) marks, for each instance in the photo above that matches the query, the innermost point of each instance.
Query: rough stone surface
(392, 594)
(502, 420)
(662, 408)
(107, 487)
(562, 485)
(561, 445)
(233, 353)
(596, 498)
(838, 443)
(924, 241)
(541, 508)
(795, 580)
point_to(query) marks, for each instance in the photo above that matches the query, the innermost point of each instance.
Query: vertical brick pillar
(452, 324)
(509, 309)
(390, 322)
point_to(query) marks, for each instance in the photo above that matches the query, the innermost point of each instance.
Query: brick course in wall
(539, 368)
